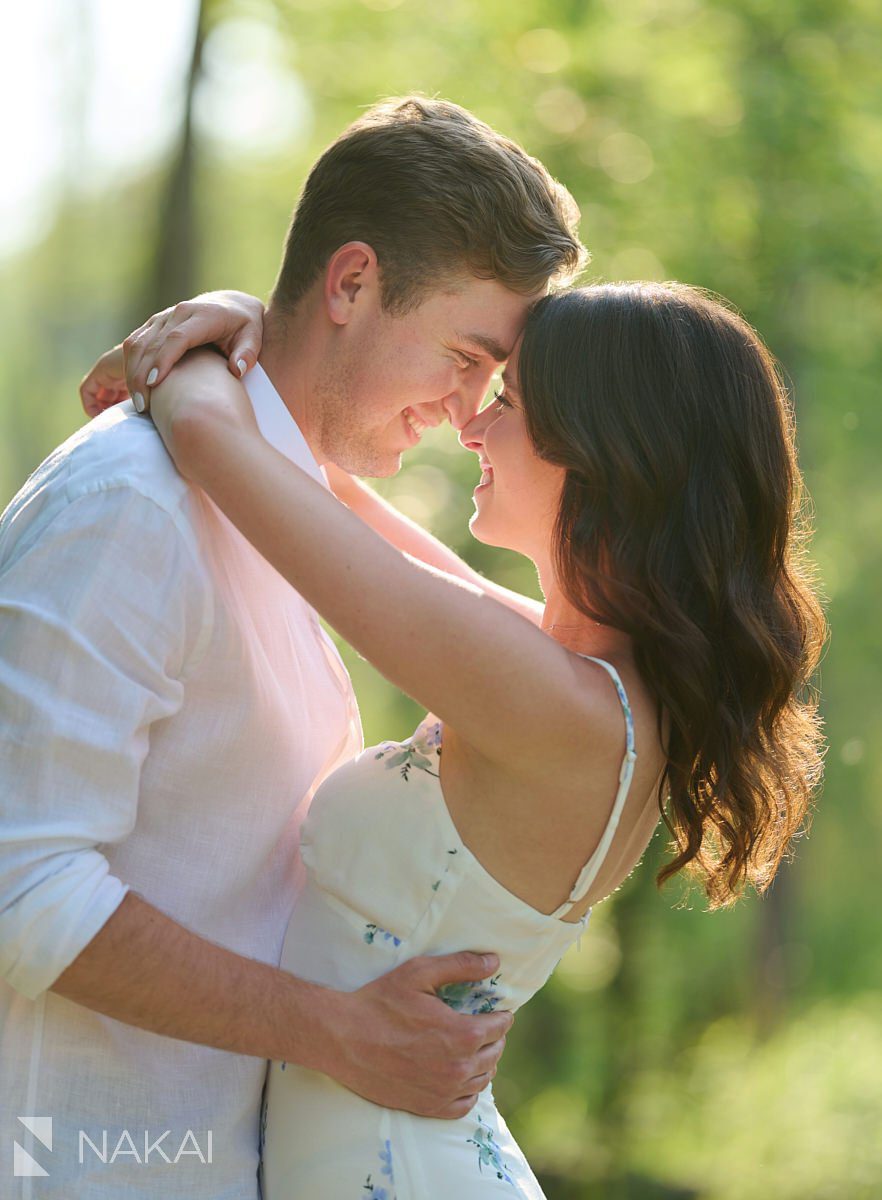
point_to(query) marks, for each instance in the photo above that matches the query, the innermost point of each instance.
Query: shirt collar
(277, 425)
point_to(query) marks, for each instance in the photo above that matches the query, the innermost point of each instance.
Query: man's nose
(462, 405)
(471, 435)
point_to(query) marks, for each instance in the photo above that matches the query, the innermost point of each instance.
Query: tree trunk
(176, 262)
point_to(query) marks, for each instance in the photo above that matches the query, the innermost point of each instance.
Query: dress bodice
(389, 878)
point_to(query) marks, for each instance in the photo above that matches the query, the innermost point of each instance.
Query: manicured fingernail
(151, 378)
(138, 401)
(489, 963)
(241, 366)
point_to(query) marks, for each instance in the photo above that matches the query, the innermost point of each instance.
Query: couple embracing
(218, 912)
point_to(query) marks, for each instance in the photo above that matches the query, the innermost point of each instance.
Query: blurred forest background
(152, 153)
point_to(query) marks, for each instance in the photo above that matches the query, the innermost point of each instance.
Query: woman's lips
(486, 476)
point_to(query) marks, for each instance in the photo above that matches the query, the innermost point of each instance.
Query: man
(170, 703)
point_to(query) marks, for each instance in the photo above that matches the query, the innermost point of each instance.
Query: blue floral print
(432, 737)
(418, 751)
(386, 1160)
(372, 932)
(407, 757)
(374, 1191)
(488, 1152)
(472, 998)
(377, 1191)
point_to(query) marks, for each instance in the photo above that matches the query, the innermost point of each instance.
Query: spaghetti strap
(589, 872)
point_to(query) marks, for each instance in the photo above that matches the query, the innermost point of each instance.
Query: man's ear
(351, 275)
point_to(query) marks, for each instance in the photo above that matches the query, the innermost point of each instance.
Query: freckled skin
(518, 509)
(388, 364)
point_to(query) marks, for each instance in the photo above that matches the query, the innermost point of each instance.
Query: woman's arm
(511, 692)
(410, 537)
(233, 322)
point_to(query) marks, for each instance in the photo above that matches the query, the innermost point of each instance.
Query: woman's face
(517, 499)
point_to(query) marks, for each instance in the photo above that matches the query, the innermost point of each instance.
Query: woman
(642, 455)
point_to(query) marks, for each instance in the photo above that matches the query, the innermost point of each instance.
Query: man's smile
(416, 425)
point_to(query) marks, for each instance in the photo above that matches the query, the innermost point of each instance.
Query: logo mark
(22, 1162)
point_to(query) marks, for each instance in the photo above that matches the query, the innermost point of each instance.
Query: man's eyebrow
(488, 344)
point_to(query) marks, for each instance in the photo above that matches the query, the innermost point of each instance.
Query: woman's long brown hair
(682, 522)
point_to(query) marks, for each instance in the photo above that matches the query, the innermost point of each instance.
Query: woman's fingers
(242, 357)
(96, 401)
(244, 320)
(139, 350)
(231, 321)
(167, 346)
(104, 385)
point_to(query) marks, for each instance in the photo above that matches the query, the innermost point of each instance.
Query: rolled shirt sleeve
(102, 613)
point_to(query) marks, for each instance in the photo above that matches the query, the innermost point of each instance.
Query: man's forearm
(393, 1041)
(146, 970)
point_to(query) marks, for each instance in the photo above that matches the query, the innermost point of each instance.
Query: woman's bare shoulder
(534, 829)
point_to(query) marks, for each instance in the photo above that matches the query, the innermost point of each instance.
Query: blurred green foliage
(735, 144)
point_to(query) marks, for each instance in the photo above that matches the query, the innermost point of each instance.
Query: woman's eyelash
(501, 398)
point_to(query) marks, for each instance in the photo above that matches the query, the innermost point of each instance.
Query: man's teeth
(414, 422)
(486, 475)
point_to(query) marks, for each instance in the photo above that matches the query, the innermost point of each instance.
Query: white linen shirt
(168, 704)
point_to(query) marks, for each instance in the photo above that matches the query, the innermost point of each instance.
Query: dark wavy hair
(682, 522)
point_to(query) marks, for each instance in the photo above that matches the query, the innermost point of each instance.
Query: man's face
(391, 377)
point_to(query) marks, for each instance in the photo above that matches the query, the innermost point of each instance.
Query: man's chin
(387, 467)
(367, 464)
(379, 468)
